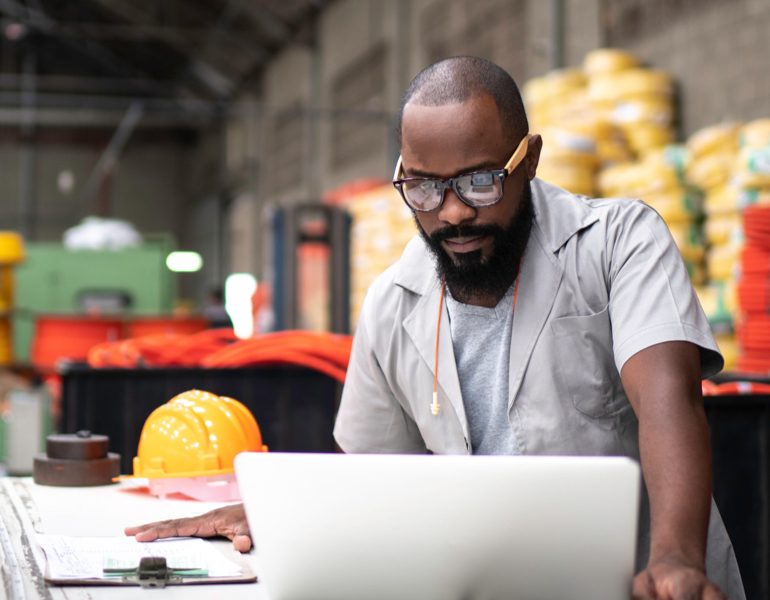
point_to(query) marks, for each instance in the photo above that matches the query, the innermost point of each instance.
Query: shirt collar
(558, 215)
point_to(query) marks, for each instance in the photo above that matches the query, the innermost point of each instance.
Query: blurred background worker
(154, 150)
(215, 310)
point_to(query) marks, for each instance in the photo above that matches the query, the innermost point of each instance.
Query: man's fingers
(139, 528)
(173, 528)
(712, 592)
(693, 585)
(242, 543)
(229, 521)
(644, 587)
(242, 537)
(666, 582)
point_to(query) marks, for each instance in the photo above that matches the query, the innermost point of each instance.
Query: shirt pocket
(584, 347)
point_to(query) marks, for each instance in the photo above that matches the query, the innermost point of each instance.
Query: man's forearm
(676, 465)
(674, 445)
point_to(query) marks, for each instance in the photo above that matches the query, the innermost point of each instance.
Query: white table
(27, 508)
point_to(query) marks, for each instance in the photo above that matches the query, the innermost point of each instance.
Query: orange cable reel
(759, 365)
(188, 446)
(735, 388)
(756, 225)
(324, 352)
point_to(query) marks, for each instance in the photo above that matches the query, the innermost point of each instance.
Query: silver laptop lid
(393, 526)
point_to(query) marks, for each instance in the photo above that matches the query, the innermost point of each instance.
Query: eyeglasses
(483, 188)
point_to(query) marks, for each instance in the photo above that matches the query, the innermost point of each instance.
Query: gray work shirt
(600, 281)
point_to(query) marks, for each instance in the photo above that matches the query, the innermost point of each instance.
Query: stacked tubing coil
(734, 388)
(753, 329)
(219, 348)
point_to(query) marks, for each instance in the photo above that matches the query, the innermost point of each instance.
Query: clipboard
(153, 573)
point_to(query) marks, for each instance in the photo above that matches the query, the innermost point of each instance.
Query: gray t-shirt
(481, 339)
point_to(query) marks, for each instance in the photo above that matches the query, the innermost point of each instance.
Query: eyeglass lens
(478, 189)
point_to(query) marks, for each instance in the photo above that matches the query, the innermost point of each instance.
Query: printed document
(83, 557)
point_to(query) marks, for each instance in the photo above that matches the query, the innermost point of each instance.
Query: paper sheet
(83, 557)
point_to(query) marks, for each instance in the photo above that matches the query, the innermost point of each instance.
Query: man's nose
(453, 210)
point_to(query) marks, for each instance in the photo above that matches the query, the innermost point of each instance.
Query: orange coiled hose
(734, 388)
(190, 350)
(328, 353)
(265, 356)
(324, 352)
(332, 348)
(130, 353)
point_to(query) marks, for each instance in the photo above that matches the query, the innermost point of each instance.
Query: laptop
(370, 527)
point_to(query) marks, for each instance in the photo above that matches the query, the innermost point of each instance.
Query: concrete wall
(149, 187)
(160, 180)
(717, 51)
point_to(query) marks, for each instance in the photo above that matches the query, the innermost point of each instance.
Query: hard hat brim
(159, 475)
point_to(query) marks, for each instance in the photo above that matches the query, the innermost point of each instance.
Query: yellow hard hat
(196, 434)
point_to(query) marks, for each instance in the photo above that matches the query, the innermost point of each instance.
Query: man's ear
(532, 157)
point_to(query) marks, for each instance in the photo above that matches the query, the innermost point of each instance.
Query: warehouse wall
(716, 49)
(165, 183)
(367, 51)
(150, 187)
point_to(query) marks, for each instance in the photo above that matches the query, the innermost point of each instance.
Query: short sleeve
(651, 299)
(370, 419)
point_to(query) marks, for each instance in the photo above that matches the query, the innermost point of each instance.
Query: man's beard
(470, 275)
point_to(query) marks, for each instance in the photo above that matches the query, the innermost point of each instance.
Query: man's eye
(482, 179)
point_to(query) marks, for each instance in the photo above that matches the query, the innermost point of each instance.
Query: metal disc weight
(77, 446)
(63, 472)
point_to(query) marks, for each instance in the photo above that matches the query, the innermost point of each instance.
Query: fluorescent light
(184, 262)
(239, 288)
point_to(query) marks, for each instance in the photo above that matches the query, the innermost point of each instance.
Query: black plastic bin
(740, 458)
(294, 406)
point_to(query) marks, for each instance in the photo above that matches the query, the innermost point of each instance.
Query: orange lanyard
(434, 408)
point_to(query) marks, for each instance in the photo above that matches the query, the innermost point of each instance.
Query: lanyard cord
(434, 408)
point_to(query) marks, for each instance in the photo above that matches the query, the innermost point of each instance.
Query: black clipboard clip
(152, 573)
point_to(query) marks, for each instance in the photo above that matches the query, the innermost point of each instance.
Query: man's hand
(673, 579)
(229, 522)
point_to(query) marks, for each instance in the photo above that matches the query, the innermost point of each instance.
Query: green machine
(54, 280)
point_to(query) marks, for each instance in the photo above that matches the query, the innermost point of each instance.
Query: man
(565, 326)
(215, 311)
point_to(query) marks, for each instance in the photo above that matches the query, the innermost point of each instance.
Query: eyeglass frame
(513, 162)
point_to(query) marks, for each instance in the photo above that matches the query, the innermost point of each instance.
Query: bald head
(461, 78)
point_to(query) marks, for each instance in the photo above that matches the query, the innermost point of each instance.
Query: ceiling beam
(210, 76)
(75, 118)
(274, 28)
(145, 20)
(38, 21)
(125, 11)
(96, 85)
(257, 55)
(106, 31)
